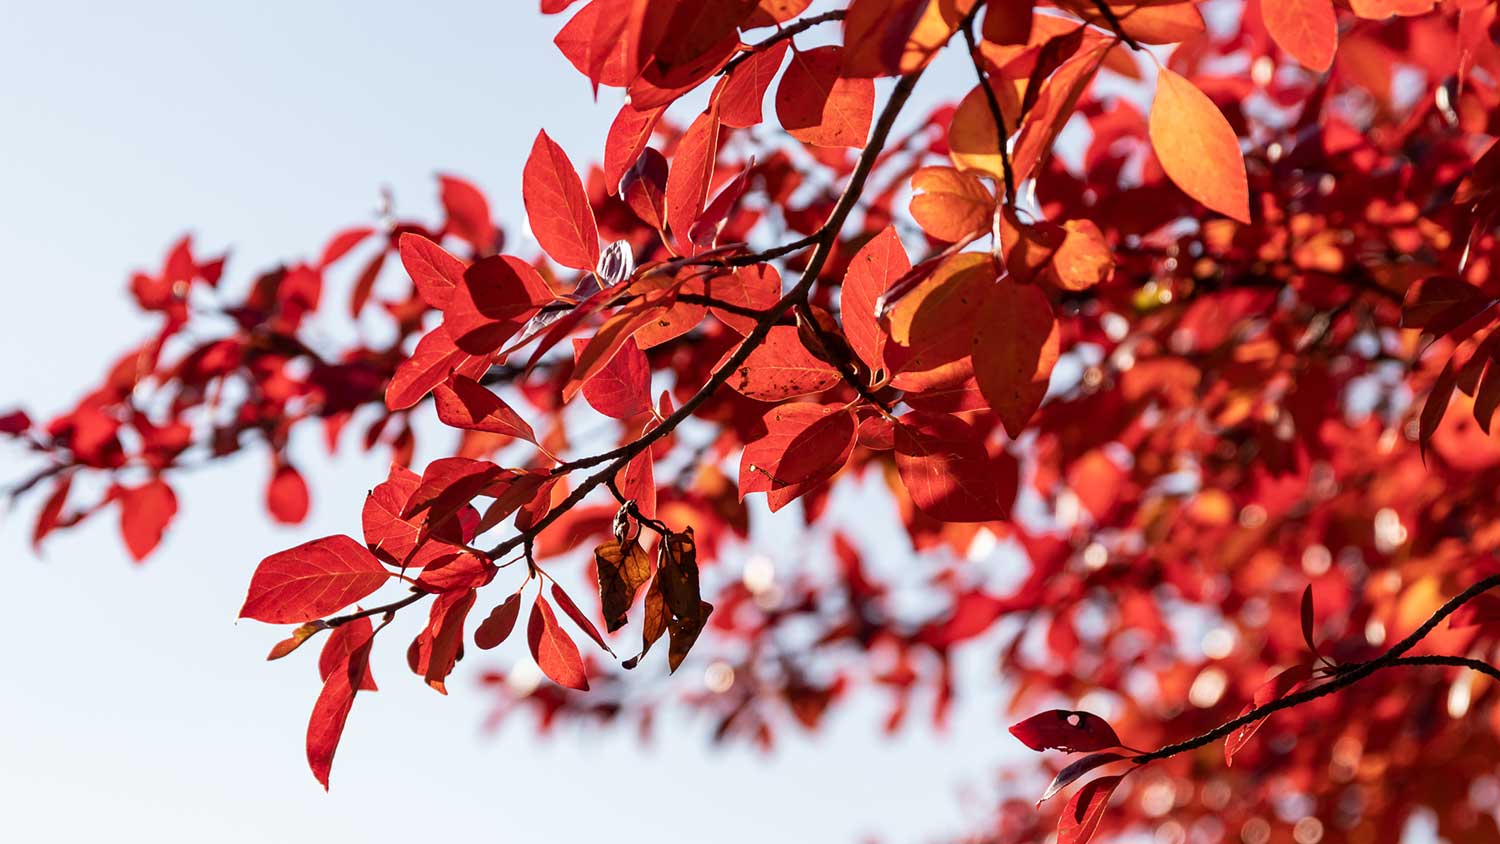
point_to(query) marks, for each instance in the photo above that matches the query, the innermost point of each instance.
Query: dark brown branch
(781, 35)
(848, 371)
(1389, 659)
(1114, 23)
(995, 112)
(414, 597)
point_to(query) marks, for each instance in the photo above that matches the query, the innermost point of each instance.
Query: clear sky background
(132, 705)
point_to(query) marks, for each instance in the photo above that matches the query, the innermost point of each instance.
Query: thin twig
(1114, 23)
(781, 35)
(995, 113)
(1390, 658)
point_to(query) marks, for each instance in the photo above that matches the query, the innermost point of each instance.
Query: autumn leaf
(465, 403)
(1307, 29)
(803, 443)
(621, 389)
(433, 271)
(559, 210)
(1284, 683)
(554, 652)
(819, 107)
(742, 93)
(1015, 347)
(622, 570)
(1197, 147)
(312, 580)
(1069, 731)
(952, 205)
(286, 495)
(947, 471)
(145, 513)
(1080, 818)
(497, 625)
(782, 368)
(878, 263)
(331, 711)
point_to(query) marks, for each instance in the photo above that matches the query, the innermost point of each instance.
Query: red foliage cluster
(1193, 362)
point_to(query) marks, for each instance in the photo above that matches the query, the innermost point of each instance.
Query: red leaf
(1285, 683)
(448, 484)
(948, 472)
(1065, 730)
(1080, 819)
(332, 709)
(872, 269)
(691, 174)
(345, 641)
(579, 618)
(468, 213)
(462, 570)
(145, 513)
(312, 580)
(742, 93)
(1015, 348)
(1070, 774)
(497, 625)
(494, 300)
(437, 648)
(339, 245)
(819, 107)
(804, 443)
(644, 186)
(434, 272)
(51, 512)
(465, 403)
(622, 387)
(782, 368)
(14, 422)
(559, 210)
(627, 138)
(430, 365)
(1307, 619)
(757, 287)
(1197, 147)
(286, 495)
(553, 651)
(1305, 28)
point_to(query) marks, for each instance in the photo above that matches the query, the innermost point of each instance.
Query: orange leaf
(953, 205)
(1197, 147)
(1305, 28)
(819, 107)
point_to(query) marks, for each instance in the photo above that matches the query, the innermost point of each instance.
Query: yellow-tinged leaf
(952, 205)
(1197, 147)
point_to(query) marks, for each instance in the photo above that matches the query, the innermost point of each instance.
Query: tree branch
(826, 236)
(781, 35)
(1390, 658)
(995, 113)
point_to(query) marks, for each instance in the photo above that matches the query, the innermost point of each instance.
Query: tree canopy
(1190, 307)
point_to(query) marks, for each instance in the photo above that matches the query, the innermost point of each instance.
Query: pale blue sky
(134, 706)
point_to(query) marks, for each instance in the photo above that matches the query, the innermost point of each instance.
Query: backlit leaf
(1197, 147)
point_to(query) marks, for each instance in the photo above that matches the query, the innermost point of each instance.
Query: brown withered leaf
(655, 623)
(677, 571)
(683, 632)
(623, 568)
